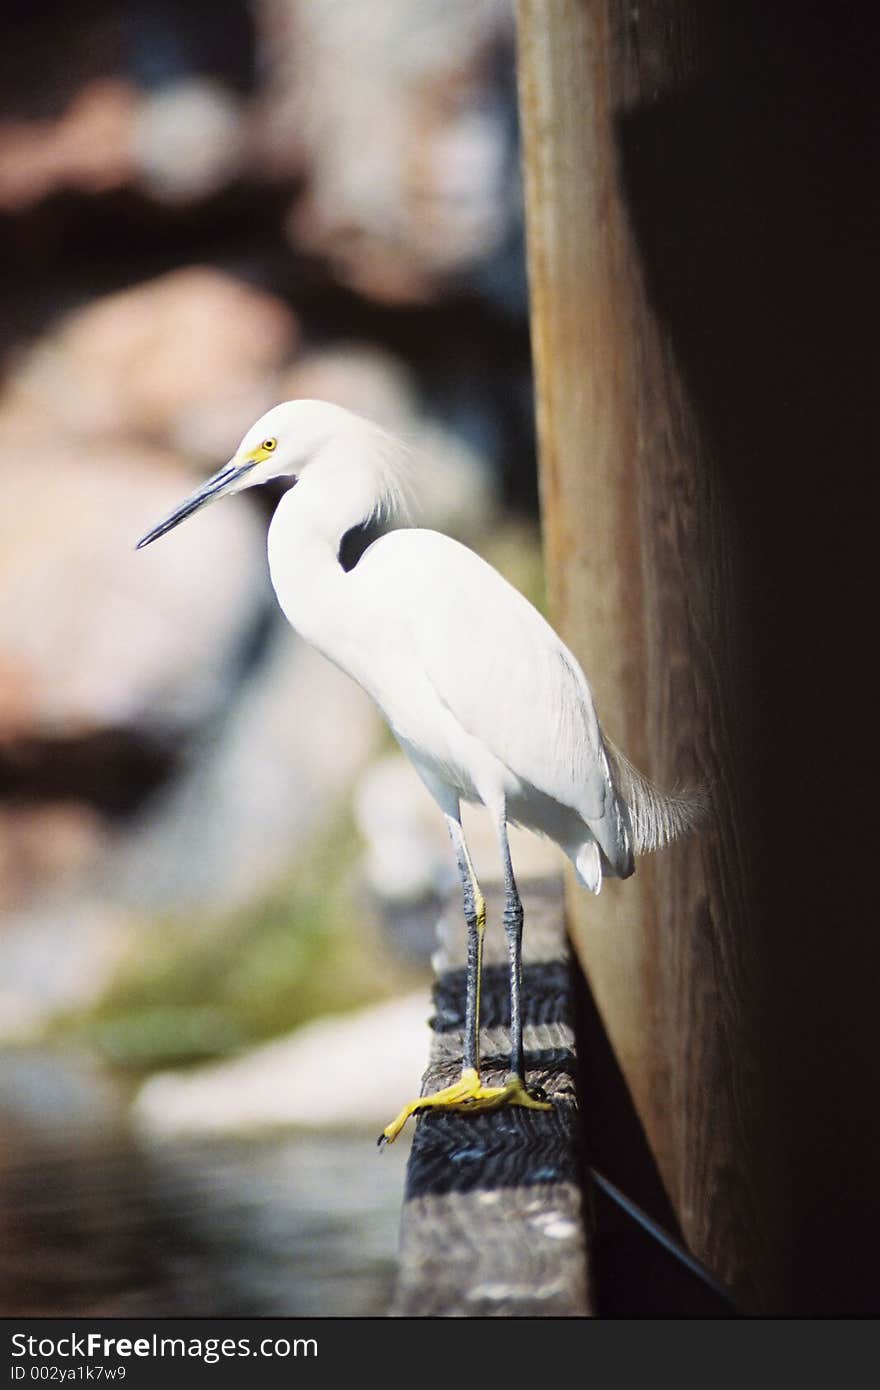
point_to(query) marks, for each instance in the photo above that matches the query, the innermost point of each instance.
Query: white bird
(480, 692)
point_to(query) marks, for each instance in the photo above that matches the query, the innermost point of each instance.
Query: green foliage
(197, 991)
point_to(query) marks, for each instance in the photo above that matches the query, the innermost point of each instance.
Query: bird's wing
(507, 678)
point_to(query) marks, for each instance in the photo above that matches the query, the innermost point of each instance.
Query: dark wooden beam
(494, 1217)
(696, 181)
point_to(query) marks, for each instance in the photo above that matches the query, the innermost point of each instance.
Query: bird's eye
(269, 445)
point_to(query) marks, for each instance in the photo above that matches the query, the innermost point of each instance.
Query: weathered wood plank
(641, 588)
(494, 1220)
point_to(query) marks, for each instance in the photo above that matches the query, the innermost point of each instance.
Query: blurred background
(219, 881)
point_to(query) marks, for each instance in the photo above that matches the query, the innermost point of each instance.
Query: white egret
(478, 689)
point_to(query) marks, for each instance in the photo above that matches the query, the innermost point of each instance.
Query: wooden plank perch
(494, 1218)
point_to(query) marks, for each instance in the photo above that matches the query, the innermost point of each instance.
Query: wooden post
(638, 587)
(699, 252)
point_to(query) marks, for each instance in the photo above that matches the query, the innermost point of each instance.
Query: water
(94, 1223)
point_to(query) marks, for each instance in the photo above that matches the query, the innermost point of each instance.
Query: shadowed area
(746, 193)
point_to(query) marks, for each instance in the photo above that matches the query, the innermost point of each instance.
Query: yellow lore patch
(262, 451)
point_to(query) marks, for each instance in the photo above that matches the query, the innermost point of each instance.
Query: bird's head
(282, 443)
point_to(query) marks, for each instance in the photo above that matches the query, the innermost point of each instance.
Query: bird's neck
(304, 539)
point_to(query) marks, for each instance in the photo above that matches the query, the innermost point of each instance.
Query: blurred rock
(89, 148)
(406, 142)
(94, 635)
(263, 782)
(180, 144)
(407, 866)
(358, 375)
(453, 484)
(353, 1070)
(250, 795)
(56, 957)
(58, 946)
(186, 360)
(407, 850)
(189, 140)
(44, 844)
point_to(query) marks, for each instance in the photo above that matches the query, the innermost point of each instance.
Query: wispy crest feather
(658, 817)
(395, 487)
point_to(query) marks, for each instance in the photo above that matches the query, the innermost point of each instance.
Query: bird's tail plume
(657, 816)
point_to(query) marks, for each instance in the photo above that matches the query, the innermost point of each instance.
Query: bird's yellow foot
(468, 1094)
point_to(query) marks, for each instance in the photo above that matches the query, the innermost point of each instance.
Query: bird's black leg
(475, 916)
(469, 1093)
(513, 927)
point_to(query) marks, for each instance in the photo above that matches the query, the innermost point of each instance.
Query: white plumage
(478, 689)
(492, 707)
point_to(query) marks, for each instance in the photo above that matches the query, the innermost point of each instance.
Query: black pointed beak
(220, 483)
